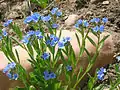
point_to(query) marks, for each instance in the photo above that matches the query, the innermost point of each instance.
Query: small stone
(89, 13)
(103, 10)
(23, 7)
(12, 15)
(71, 19)
(72, 1)
(105, 2)
(92, 1)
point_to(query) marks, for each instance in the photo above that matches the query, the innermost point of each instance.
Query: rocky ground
(73, 10)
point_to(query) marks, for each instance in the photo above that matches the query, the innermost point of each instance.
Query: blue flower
(55, 39)
(9, 66)
(0, 37)
(96, 20)
(54, 10)
(45, 55)
(52, 75)
(100, 76)
(15, 76)
(79, 21)
(103, 69)
(28, 19)
(76, 25)
(118, 58)
(100, 73)
(58, 13)
(48, 42)
(52, 43)
(7, 23)
(25, 40)
(30, 33)
(101, 28)
(35, 16)
(55, 25)
(85, 23)
(61, 45)
(38, 34)
(6, 69)
(46, 72)
(52, 36)
(9, 75)
(69, 68)
(12, 65)
(95, 29)
(104, 20)
(93, 20)
(5, 33)
(46, 18)
(49, 75)
(66, 39)
(46, 75)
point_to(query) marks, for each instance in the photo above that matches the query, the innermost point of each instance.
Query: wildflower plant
(51, 71)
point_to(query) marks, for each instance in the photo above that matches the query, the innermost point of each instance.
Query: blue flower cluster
(69, 68)
(4, 33)
(98, 28)
(81, 22)
(8, 71)
(7, 22)
(95, 21)
(62, 43)
(100, 73)
(37, 33)
(46, 18)
(34, 17)
(53, 40)
(49, 75)
(56, 12)
(54, 25)
(45, 55)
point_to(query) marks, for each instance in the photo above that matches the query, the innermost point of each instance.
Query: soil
(83, 8)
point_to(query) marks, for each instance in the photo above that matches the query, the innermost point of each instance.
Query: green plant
(44, 57)
(41, 3)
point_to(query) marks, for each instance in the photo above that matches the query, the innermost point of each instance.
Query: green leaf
(104, 38)
(59, 69)
(30, 49)
(95, 33)
(17, 55)
(80, 71)
(81, 51)
(100, 45)
(60, 33)
(78, 39)
(17, 30)
(64, 88)
(16, 41)
(89, 56)
(92, 42)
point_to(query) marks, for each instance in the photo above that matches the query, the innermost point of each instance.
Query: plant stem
(91, 63)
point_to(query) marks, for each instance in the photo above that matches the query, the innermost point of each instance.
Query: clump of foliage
(45, 58)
